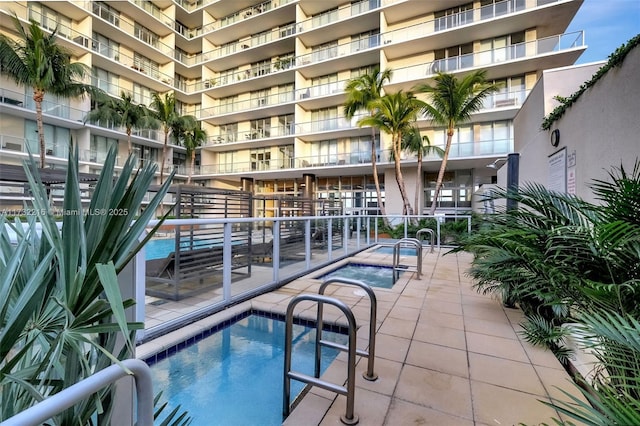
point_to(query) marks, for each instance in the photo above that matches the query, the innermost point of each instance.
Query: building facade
(266, 80)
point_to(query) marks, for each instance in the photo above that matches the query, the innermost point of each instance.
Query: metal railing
(349, 417)
(397, 267)
(66, 398)
(369, 375)
(431, 234)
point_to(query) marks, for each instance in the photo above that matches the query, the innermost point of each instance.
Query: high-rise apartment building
(266, 80)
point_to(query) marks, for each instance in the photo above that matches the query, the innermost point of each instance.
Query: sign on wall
(557, 178)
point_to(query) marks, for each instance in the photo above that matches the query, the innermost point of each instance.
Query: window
(493, 8)
(457, 187)
(105, 80)
(260, 158)
(362, 6)
(259, 98)
(502, 48)
(454, 17)
(106, 12)
(56, 139)
(145, 154)
(145, 34)
(260, 68)
(261, 38)
(105, 46)
(228, 132)
(495, 138)
(99, 147)
(226, 105)
(324, 119)
(259, 129)
(462, 140)
(361, 150)
(325, 17)
(324, 152)
(50, 19)
(453, 58)
(145, 65)
(285, 125)
(325, 51)
(141, 94)
(285, 93)
(325, 85)
(365, 40)
(362, 71)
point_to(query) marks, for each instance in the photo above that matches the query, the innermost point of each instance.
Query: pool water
(235, 376)
(161, 248)
(404, 251)
(373, 275)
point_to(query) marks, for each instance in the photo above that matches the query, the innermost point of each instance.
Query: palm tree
(414, 143)
(120, 111)
(183, 132)
(395, 114)
(35, 60)
(193, 139)
(451, 102)
(361, 92)
(164, 112)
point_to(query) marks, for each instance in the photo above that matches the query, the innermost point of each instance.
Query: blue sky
(607, 25)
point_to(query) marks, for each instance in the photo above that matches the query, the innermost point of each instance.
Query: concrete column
(309, 192)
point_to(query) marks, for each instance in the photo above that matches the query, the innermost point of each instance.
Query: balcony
(548, 52)
(236, 111)
(330, 128)
(251, 138)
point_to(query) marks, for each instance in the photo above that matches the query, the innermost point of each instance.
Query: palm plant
(163, 110)
(414, 143)
(361, 92)
(122, 111)
(395, 114)
(194, 138)
(451, 102)
(36, 60)
(562, 259)
(62, 313)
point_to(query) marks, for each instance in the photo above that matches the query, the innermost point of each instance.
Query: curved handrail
(431, 233)
(66, 398)
(349, 417)
(396, 254)
(371, 353)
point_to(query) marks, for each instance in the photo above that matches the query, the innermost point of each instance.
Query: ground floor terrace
(445, 355)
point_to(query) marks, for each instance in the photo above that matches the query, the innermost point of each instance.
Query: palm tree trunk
(164, 154)
(376, 181)
(191, 165)
(443, 166)
(406, 208)
(38, 97)
(418, 207)
(129, 146)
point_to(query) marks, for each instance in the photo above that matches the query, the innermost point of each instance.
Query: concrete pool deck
(445, 355)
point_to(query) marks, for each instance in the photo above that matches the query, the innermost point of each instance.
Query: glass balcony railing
(54, 108)
(318, 90)
(344, 49)
(254, 134)
(249, 104)
(338, 123)
(524, 50)
(341, 13)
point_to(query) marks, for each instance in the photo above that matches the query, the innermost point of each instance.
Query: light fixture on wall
(494, 165)
(555, 137)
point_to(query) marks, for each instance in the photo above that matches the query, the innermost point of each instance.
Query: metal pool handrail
(349, 417)
(431, 233)
(396, 255)
(66, 398)
(370, 354)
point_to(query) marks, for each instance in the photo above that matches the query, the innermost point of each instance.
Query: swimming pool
(161, 248)
(404, 251)
(374, 275)
(233, 375)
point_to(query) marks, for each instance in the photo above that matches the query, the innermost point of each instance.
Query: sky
(607, 24)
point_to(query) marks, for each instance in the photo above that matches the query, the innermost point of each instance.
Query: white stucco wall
(602, 128)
